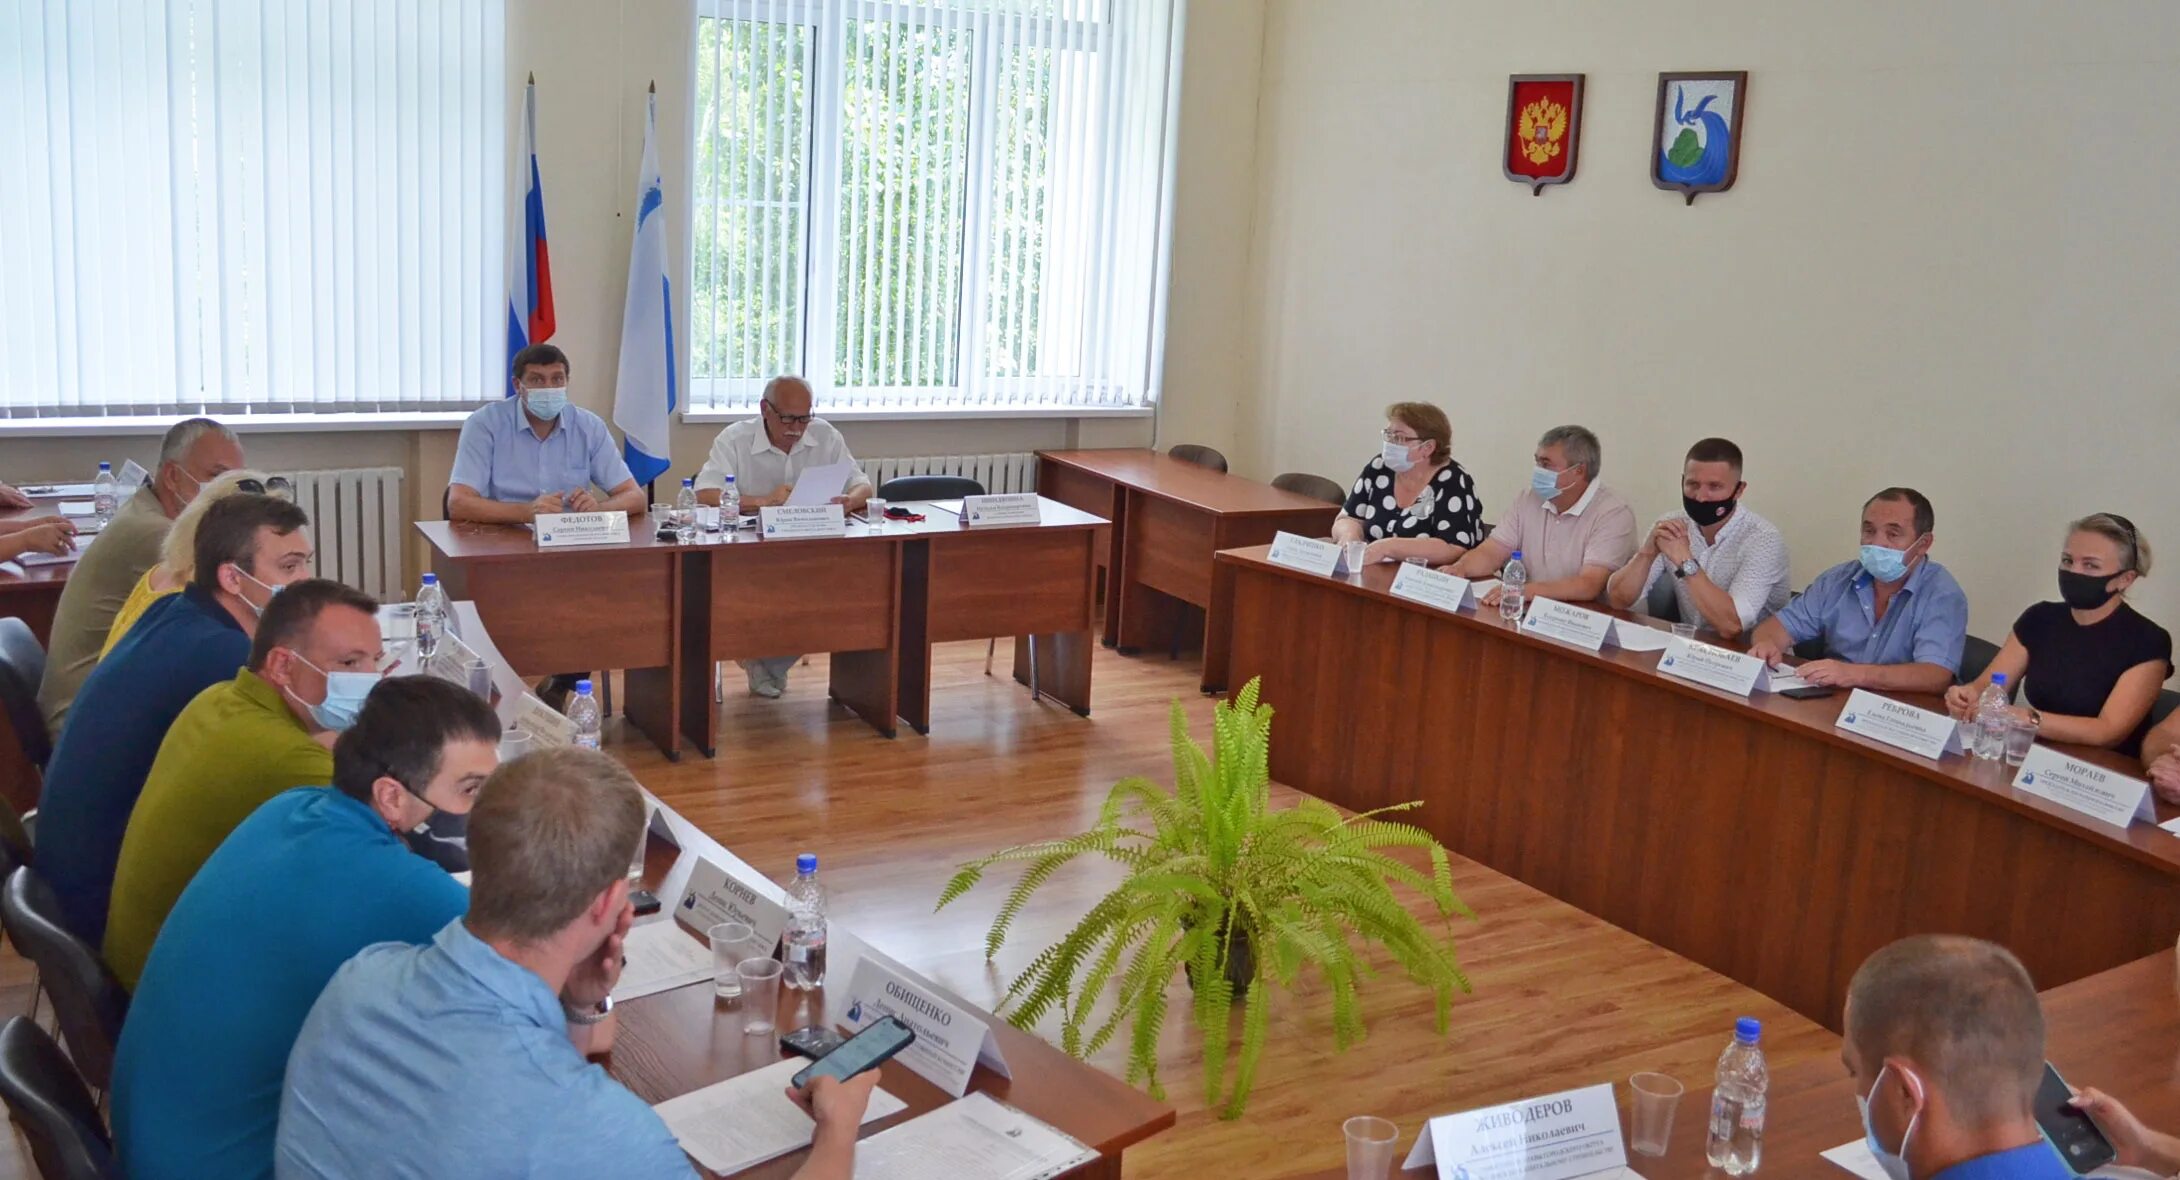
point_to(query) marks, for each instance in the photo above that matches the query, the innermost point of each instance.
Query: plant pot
(1241, 965)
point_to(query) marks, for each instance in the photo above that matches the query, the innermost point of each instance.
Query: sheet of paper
(1482, 586)
(973, 1138)
(34, 560)
(1783, 678)
(661, 957)
(79, 507)
(746, 1120)
(819, 485)
(56, 489)
(1856, 1158)
(1636, 637)
(953, 506)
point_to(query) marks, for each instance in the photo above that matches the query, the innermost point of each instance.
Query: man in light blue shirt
(467, 1057)
(1892, 619)
(534, 452)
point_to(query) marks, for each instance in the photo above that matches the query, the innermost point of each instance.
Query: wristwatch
(1687, 569)
(588, 1015)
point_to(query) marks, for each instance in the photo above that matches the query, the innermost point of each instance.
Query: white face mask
(1396, 457)
(1894, 1163)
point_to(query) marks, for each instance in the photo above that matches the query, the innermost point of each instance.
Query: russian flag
(644, 395)
(529, 269)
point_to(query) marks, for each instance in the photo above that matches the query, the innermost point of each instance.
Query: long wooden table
(33, 593)
(1750, 835)
(1168, 518)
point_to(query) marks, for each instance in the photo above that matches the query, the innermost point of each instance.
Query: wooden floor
(1561, 999)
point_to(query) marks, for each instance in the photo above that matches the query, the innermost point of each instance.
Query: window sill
(932, 414)
(241, 424)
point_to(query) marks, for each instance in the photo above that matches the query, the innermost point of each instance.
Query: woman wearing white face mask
(1413, 500)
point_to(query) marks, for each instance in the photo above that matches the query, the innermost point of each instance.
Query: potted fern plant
(1237, 895)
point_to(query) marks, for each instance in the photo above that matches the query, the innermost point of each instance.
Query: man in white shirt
(767, 455)
(1729, 566)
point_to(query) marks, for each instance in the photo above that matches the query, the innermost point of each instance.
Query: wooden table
(1749, 835)
(2118, 1030)
(1168, 518)
(33, 594)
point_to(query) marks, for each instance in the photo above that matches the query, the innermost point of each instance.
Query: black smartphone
(645, 901)
(2078, 1140)
(1814, 692)
(812, 1041)
(866, 1050)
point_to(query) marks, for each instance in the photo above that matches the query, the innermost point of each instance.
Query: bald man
(766, 455)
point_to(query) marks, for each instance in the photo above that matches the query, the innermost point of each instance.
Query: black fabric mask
(2084, 591)
(1706, 513)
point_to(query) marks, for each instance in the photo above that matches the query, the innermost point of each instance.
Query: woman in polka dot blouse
(1413, 500)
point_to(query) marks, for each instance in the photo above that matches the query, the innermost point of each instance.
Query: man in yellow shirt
(315, 656)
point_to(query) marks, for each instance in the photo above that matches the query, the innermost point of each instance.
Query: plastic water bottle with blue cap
(683, 518)
(1994, 715)
(805, 937)
(583, 711)
(105, 489)
(1736, 1144)
(430, 613)
(1513, 587)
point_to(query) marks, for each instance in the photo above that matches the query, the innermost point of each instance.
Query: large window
(237, 207)
(934, 203)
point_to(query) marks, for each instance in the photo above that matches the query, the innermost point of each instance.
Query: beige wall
(1952, 260)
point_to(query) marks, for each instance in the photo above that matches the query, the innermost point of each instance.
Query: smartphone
(866, 1050)
(1814, 692)
(645, 901)
(812, 1041)
(2072, 1133)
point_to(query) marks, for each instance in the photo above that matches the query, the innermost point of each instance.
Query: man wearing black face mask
(1728, 566)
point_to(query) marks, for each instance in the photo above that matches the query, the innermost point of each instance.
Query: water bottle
(1513, 587)
(683, 517)
(103, 490)
(430, 613)
(583, 711)
(805, 968)
(730, 504)
(1992, 720)
(1737, 1104)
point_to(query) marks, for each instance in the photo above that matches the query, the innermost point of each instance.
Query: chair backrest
(929, 487)
(1302, 483)
(87, 1000)
(48, 1099)
(1975, 655)
(22, 666)
(446, 503)
(1663, 604)
(1200, 455)
(2167, 701)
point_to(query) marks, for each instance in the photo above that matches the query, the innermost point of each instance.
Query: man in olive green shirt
(192, 452)
(240, 743)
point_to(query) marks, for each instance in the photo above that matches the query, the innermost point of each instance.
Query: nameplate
(1918, 731)
(1421, 583)
(1014, 508)
(1586, 629)
(1556, 1137)
(714, 897)
(1304, 553)
(559, 530)
(950, 1039)
(2092, 790)
(1732, 671)
(789, 522)
(546, 725)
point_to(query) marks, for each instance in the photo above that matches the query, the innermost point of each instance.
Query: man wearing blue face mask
(1571, 530)
(1945, 1040)
(1892, 619)
(533, 452)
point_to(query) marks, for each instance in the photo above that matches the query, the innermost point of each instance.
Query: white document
(950, 1040)
(1555, 1137)
(1856, 1158)
(819, 485)
(1481, 588)
(748, 1119)
(32, 561)
(714, 896)
(1012, 508)
(59, 489)
(132, 475)
(2098, 793)
(1421, 583)
(1779, 678)
(546, 725)
(1307, 554)
(975, 1138)
(461, 877)
(1586, 629)
(1636, 637)
(1918, 731)
(79, 507)
(559, 530)
(789, 521)
(661, 957)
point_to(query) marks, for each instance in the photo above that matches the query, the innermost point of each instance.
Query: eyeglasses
(276, 486)
(785, 417)
(1406, 440)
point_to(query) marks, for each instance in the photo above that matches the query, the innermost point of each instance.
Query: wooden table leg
(648, 705)
(914, 673)
(867, 683)
(699, 713)
(1218, 627)
(1063, 666)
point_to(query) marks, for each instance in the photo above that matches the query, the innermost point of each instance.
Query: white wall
(1952, 260)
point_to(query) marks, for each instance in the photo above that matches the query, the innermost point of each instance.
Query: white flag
(643, 394)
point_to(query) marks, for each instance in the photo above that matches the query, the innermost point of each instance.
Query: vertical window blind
(933, 203)
(251, 206)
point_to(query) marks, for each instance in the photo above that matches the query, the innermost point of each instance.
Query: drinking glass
(760, 994)
(730, 945)
(2020, 735)
(1656, 1098)
(1352, 554)
(478, 676)
(874, 511)
(643, 849)
(1684, 630)
(514, 743)
(1370, 1145)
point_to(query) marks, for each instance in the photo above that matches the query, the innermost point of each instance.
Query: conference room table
(2117, 1030)
(1749, 834)
(33, 592)
(877, 598)
(1168, 517)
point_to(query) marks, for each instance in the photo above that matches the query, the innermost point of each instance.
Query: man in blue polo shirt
(1891, 619)
(247, 548)
(312, 877)
(534, 452)
(1945, 1040)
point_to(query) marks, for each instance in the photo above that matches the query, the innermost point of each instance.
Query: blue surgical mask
(344, 695)
(1396, 457)
(548, 402)
(1544, 482)
(1894, 1162)
(271, 592)
(1886, 565)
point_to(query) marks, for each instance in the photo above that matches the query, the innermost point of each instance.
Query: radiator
(357, 522)
(1012, 472)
